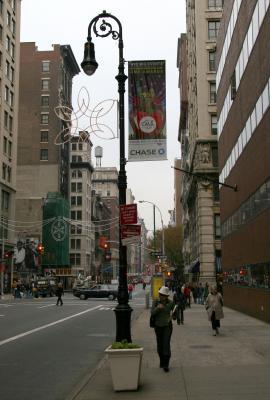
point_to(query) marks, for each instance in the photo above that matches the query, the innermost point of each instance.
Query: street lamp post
(162, 225)
(102, 27)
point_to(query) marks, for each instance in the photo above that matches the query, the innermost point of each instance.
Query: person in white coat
(214, 308)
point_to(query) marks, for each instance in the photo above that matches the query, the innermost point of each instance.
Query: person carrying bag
(162, 313)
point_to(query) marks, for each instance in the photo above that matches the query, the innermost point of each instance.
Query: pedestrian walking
(162, 312)
(130, 290)
(214, 308)
(187, 294)
(59, 293)
(179, 301)
(205, 292)
(200, 294)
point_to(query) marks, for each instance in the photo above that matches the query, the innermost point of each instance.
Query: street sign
(130, 234)
(128, 231)
(128, 214)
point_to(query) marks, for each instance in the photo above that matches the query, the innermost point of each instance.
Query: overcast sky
(151, 29)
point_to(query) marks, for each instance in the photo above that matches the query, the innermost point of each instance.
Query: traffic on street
(47, 350)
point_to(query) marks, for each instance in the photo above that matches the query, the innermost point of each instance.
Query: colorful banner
(147, 111)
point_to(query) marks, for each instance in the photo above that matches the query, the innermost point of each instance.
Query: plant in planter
(125, 362)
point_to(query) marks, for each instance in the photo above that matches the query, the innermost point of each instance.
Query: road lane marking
(13, 338)
(48, 305)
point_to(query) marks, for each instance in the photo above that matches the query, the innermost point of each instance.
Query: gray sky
(151, 29)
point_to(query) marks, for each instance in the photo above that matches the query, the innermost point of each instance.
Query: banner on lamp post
(147, 111)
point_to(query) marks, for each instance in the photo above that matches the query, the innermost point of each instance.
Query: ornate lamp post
(102, 27)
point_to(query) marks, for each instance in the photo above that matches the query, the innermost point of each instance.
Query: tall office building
(43, 148)
(243, 100)
(198, 137)
(10, 11)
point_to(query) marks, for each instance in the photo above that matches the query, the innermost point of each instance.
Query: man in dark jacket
(180, 301)
(59, 293)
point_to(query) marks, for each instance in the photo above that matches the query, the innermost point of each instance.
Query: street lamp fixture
(102, 27)
(162, 225)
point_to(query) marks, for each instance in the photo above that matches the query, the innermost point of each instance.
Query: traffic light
(103, 242)
(8, 254)
(40, 248)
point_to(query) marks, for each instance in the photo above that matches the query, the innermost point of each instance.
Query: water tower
(98, 155)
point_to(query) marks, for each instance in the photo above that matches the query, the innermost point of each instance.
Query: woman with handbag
(162, 312)
(214, 308)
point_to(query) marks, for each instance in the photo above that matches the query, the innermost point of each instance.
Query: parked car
(96, 291)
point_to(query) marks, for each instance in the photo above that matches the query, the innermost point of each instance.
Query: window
(75, 244)
(9, 148)
(79, 200)
(73, 201)
(12, 50)
(10, 126)
(12, 74)
(45, 66)
(75, 259)
(5, 145)
(9, 174)
(45, 101)
(6, 119)
(1, 33)
(212, 60)
(233, 86)
(217, 226)
(45, 84)
(5, 200)
(215, 156)
(8, 19)
(44, 119)
(4, 171)
(213, 27)
(13, 4)
(1, 6)
(44, 136)
(213, 124)
(8, 42)
(44, 154)
(13, 26)
(213, 94)
(1, 59)
(6, 94)
(74, 146)
(213, 4)
(7, 72)
(80, 146)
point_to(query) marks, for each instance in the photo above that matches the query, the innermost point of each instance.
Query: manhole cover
(202, 346)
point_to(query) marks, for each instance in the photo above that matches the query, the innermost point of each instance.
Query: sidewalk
(232, 366)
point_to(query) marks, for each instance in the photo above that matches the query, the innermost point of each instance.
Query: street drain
(202, 346)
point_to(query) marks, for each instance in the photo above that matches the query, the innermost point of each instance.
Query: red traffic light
(8, 254)
(103, 242)
(40, 248)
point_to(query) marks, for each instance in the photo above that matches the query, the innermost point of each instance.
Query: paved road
(45, 350)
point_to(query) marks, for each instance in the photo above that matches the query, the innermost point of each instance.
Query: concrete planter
(125, 367)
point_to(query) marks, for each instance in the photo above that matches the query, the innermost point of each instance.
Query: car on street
(97, 291)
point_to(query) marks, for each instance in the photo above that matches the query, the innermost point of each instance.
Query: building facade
(10, 14)
(243, 99)
(9, 100)
(198, 138)
(82, 235)
(43, 149)
(105, 184)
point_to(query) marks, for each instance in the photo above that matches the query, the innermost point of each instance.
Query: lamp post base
(123, 318)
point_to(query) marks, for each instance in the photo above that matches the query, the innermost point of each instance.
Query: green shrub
(124, 344)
